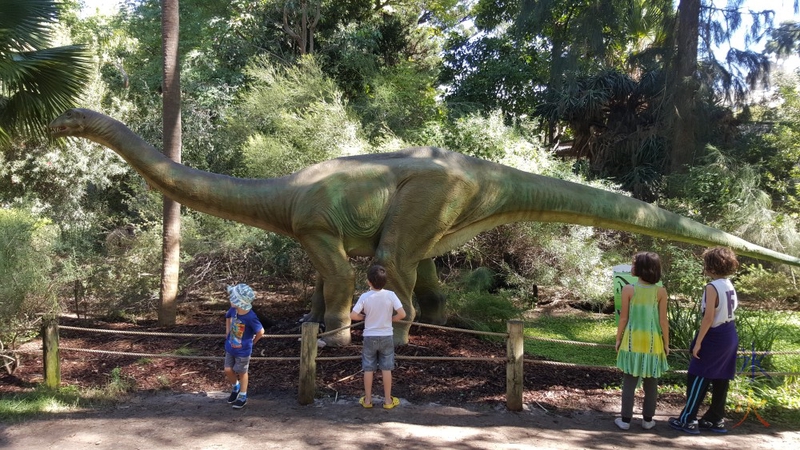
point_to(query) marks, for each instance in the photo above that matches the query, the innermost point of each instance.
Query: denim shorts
(378, 353)
(240, 364)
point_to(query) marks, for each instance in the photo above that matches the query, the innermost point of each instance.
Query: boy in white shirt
(378, 308)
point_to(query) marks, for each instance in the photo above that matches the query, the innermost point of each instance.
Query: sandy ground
(276, 421)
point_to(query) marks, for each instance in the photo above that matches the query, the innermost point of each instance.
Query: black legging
(696, 389)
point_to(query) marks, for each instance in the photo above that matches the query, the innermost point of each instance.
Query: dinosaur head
(72, 123)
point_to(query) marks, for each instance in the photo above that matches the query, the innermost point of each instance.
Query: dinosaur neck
(253, 202)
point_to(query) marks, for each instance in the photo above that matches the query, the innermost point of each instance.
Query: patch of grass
(185, 351)
(592, 329)
(776, 399)
(42, 401)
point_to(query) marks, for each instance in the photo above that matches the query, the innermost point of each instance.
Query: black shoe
(717, 427)
(232, 397)
(239, 403)
(686, 427)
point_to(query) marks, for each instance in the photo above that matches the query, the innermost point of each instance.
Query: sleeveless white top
(728, 301)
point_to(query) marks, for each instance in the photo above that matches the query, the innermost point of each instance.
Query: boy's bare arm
(257, 337)
(399, 314)
(356, 316)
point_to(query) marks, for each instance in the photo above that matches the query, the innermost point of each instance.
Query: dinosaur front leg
(429, 296)
(317, 313)
(337, 282)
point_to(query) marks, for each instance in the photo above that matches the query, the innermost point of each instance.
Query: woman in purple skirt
(714, 347)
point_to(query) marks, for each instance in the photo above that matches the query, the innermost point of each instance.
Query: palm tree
(37, 82)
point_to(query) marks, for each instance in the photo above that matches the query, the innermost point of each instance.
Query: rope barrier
(328, 333)
(672, 350)
(158, 333)
(460, 330)
(170, 355)
(680, 372)
(400, 357)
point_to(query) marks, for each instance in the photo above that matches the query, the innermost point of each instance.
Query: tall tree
(171, 97)
(37, 81)
(684, 85)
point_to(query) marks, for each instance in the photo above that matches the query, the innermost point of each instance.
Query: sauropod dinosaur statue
(401, 208)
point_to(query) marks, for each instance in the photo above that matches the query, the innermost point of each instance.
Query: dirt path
(200, 421)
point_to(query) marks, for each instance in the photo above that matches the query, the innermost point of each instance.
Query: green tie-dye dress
(641, 352)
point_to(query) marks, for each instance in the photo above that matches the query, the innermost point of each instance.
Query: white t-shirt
(378, 308)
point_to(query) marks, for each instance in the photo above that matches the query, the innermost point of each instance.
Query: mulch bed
(426, 381)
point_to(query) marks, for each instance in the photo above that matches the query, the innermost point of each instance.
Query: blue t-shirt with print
(240, 336)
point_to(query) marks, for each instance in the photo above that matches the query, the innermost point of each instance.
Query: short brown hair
(647, 266)
(376, 274)
(720, 261)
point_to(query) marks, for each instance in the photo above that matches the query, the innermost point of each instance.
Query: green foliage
(682, 270)
(25, 264)
(120, 282)
(725, 194)
(774, 146)
(401, 99)
(684, 321)
(758, 331)
(768, 288)
(481, 310)
(38, 81)
(479, 280)
(291, 118)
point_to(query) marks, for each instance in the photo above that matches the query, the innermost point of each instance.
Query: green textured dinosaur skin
(401, 208)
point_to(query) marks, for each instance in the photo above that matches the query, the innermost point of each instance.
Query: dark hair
(720, 261)
(376, 275)
(647, 266)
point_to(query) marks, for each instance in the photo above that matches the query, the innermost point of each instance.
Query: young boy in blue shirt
(378, 308)
(242, 331)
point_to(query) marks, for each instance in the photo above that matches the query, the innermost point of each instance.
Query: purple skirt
(717, 358)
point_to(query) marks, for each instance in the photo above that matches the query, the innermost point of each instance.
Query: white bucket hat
(242, 296)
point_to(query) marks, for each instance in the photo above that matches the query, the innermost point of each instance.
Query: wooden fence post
(52, 365)
(308, 363)
(514, 366)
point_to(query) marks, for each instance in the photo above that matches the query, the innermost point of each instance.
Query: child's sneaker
(622, 425)
(648, 424)
(240, 402)
(233, 396)
(717, 427)
(686, 427)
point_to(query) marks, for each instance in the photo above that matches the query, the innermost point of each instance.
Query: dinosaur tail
(546, 199)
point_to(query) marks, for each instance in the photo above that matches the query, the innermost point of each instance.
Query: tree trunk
(172, 148)
(684, 87)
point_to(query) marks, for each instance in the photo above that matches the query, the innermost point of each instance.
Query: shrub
(26, 291)
(769, 289)
(481, 310)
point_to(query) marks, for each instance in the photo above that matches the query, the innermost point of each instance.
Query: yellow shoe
(365, 405)
(395, 402)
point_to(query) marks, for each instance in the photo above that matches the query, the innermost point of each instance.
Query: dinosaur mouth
(59, 131)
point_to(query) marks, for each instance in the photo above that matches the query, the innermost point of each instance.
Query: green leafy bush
(768, 288)
(26, 248)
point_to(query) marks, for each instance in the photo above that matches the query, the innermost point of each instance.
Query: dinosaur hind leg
(400, 280)
(429, 296)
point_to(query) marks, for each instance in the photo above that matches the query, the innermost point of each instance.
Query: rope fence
(310, 336)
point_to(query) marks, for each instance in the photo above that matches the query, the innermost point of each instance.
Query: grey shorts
(378, 353)
(239, 364)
